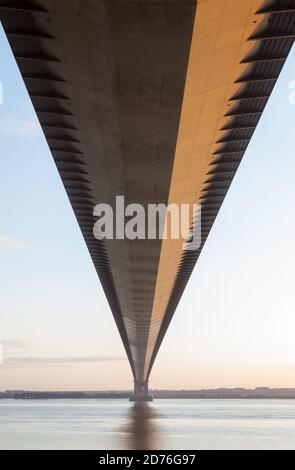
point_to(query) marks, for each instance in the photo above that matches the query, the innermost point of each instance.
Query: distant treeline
(31, 395)
(259, 392)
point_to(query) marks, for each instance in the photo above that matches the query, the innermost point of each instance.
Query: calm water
(163, 424)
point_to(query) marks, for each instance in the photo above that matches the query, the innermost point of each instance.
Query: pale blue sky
(235, 325)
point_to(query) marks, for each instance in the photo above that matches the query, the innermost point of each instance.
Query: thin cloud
(22, 362)
(27, 128)
(10, 245)
(15, 344)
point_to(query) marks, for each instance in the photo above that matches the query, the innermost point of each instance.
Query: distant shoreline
(154, 397)
(220, 393)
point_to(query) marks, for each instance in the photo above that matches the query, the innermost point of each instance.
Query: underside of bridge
(154, 100)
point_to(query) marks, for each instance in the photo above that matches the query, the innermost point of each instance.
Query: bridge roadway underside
(155, 101)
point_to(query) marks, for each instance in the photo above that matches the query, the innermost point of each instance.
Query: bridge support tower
(141, 392)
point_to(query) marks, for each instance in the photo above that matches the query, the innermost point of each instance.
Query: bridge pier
(141, 392)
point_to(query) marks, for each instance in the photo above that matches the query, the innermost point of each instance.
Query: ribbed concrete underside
(156, 101)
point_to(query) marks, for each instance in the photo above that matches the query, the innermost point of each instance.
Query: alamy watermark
(153, 221)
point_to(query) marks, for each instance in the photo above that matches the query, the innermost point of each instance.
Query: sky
(235, 324)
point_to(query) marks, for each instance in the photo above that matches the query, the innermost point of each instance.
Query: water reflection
(140, 431)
